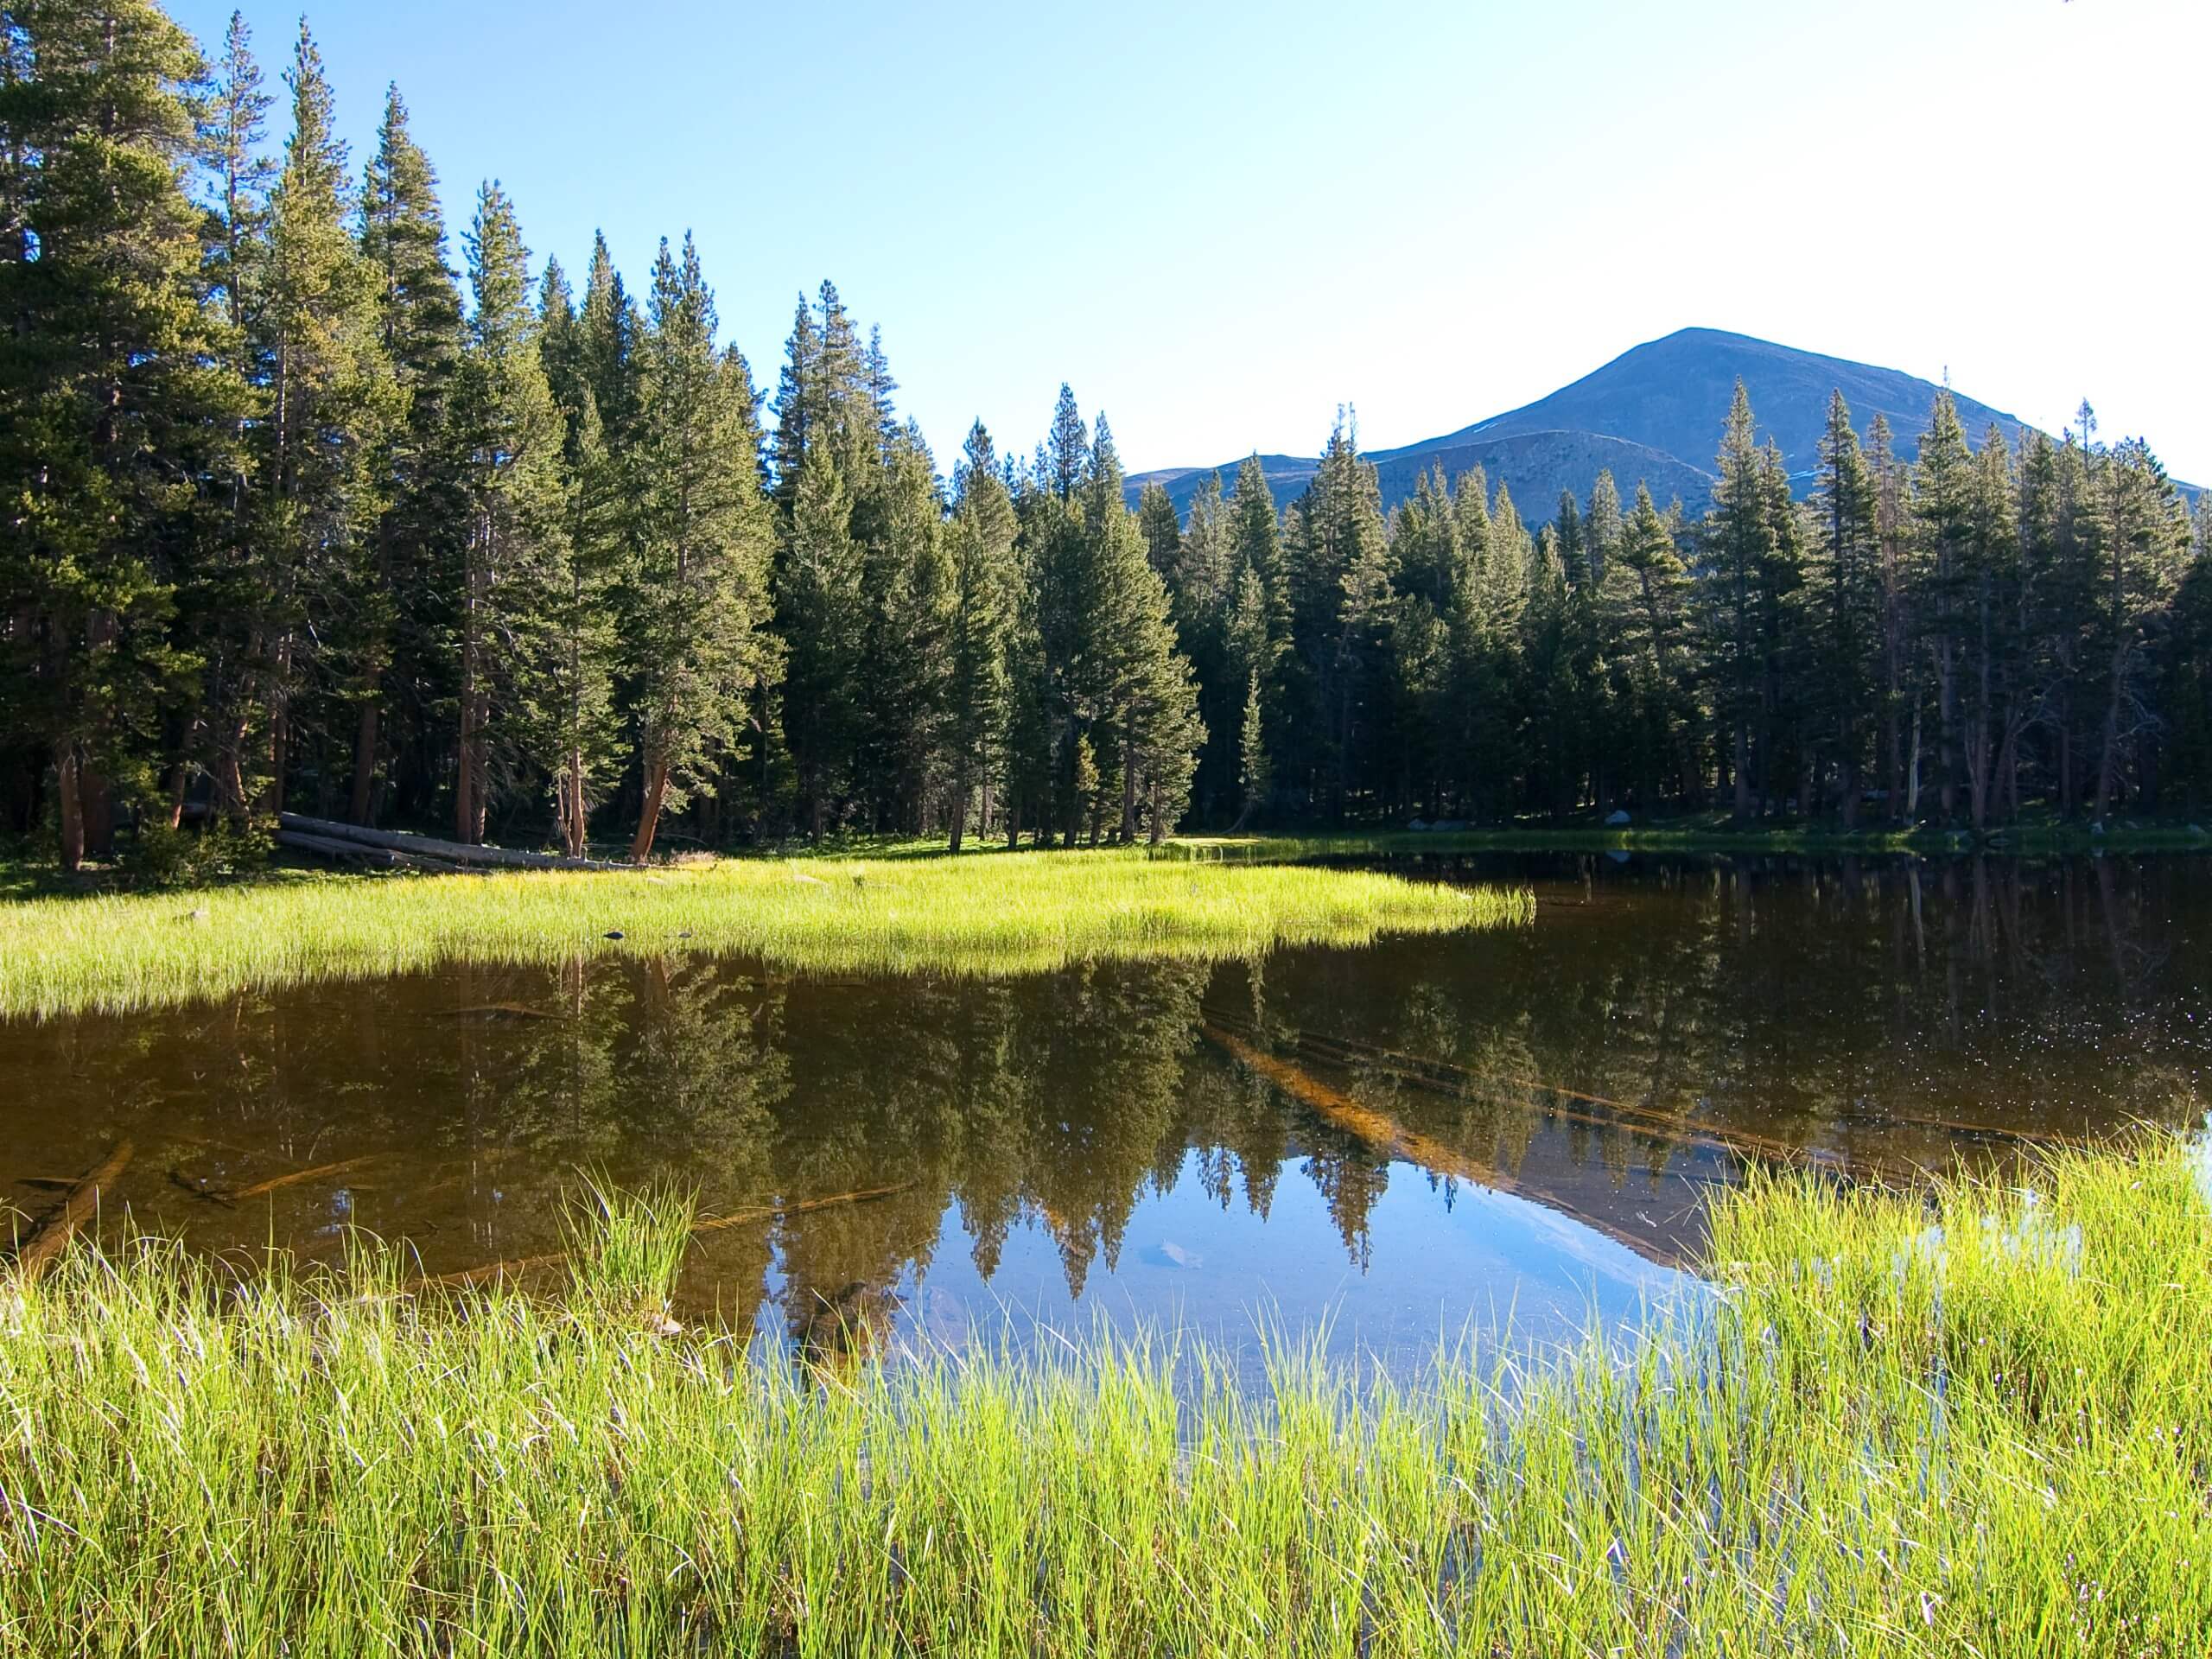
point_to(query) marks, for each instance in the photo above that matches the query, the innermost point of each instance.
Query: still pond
(1508, 1130)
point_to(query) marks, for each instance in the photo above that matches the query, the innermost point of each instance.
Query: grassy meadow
(1974, 1421)
(999, 912)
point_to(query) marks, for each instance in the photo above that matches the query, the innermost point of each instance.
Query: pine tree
(1943, 511)
(221, 595)
(1148, 733)
(697, 589)
(1548, 694)
(1601, 531)
(1252, 755)
(2142, 535)
(913, 591)
(822, 612)
(1738, 540)
(1993, 665)
(882, 389)
(2185, 684)
(112, 402)
(1784, 659)
(399, 624)
(1162, 530)
(983, 534)
(1845, 602)
(332, 399)
(1899, 698)
(1339, 582)
(515, 572)
(1486, 641)
(608, 331)
(580, 731)
(1431, 575)
(1067, 453)
(1653, 594)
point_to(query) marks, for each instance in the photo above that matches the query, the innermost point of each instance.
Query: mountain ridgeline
(1652, 416)
(304, 518)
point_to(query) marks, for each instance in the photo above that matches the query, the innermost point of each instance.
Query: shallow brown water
(1399, 1141)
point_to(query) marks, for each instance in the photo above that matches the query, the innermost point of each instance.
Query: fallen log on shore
(354, 852)
(430, 847)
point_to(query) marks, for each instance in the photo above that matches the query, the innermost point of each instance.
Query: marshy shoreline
(1970, 1418)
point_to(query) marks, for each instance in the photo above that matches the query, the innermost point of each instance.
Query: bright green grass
(1003, 913)
(1978, 1424)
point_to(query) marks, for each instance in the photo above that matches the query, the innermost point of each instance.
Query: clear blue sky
(1217, 222)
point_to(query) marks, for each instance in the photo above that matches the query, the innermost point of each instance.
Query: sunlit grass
(1974, 1422)
(1003, 913)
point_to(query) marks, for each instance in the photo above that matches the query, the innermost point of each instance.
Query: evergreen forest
(318, 501)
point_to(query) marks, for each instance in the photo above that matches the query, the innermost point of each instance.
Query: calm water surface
(1396, 1142)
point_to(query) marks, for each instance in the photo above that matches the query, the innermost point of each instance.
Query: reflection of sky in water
(1461, 1261)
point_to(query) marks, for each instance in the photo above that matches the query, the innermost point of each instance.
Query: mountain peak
(1653, 414)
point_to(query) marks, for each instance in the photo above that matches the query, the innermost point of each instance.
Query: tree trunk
(2007, 785)
(959, 803)
(230, 770)
(1946, 715)
(2108, 759)
(1977, 768)
(279, 755)
(571, 803)
(656, 790)
(464, 783)
(2066, 754)
(1128, 830)
(365, 763)
(1912, 772)
(96, 807)
(71, 809)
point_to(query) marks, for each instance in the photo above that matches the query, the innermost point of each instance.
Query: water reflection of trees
(1849, 1005)
(1591, 1061)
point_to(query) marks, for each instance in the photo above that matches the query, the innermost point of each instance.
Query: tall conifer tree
(114, 400)
(696, 594)
(515, 572)
(399, 621)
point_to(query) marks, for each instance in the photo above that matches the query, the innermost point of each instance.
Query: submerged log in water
(296, 1176)
(36, 1253)
(1393, 1139)
(1627, 1117)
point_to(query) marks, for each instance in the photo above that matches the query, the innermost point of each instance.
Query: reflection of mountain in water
(1660, 1024)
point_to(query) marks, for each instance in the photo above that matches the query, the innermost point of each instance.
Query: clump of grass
(626, 1248)
(1975, 1422)
(1005, 913)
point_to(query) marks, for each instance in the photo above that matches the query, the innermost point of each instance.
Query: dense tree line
(1953, 638)
(299, 516)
